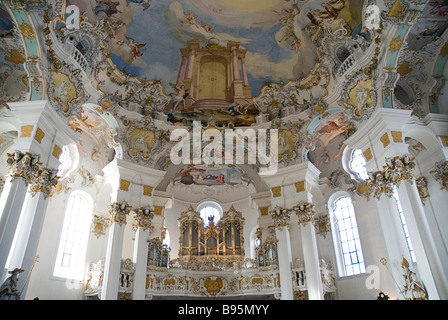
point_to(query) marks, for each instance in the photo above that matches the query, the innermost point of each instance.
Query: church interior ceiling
(314, 70)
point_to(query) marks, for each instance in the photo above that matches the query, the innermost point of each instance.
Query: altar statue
(8, 290)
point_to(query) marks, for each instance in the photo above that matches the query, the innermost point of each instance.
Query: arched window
(358, 164)
(346, 238)
(210, 211)
(74, 236)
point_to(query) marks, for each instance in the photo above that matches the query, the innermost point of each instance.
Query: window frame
(81, 247)
(346, 160)
(337, 240)
(359, 173)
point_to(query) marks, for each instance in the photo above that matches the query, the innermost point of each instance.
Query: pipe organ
(221, 240)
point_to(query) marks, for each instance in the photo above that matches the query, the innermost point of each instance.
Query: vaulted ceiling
(314, 70)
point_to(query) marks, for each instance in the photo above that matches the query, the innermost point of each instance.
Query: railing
(81, 60)
(215, 278)
(349, 62)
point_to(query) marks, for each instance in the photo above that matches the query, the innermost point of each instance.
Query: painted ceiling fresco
(313, 69)
(13, 78)
(150, 34)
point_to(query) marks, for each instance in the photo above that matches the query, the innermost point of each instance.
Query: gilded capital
(119, 211)
(440, 173)
(281, 217)
(394, 171)
(22, 165)
(143, 218)
(305, 212)
(400, 168)
(43, 181)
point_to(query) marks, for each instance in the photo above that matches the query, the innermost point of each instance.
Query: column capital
(143, 217)
(22, 165)
(43, 181)
(281, 217)
(305, 212)
(395, 170)
(119, 211)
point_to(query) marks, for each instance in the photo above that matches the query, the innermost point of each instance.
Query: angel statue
(8, 290)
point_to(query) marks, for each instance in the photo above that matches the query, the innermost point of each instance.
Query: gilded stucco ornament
(44, 181)
(400, 168)
(395, 170)
(22, 165)
(143, 140)
(99, 225)
(379, 183)
(305, 212)
(281, 216)
(440, 173)
(322, 224)
(119, 211)
(359, 100)
(143, 218)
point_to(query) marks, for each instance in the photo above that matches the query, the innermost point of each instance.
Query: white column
(284, 262)
(114, 249)
(394, 240)
(431, 272)
(311, 261)
(12, 199)
(140, 262)
(143, 218)
(305, 212)
(28, 238)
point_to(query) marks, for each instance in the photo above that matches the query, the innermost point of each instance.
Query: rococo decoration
(440, 173)
(394, 171)
(119, 211)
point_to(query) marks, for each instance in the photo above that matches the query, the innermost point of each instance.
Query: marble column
(143, 218)
(118, 213)
(133, 187)
(305, 212)
(13, 198)
(281, 219)
(429, 266)
(25, 250)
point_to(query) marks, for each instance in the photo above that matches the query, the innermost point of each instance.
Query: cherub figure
(180, 94)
